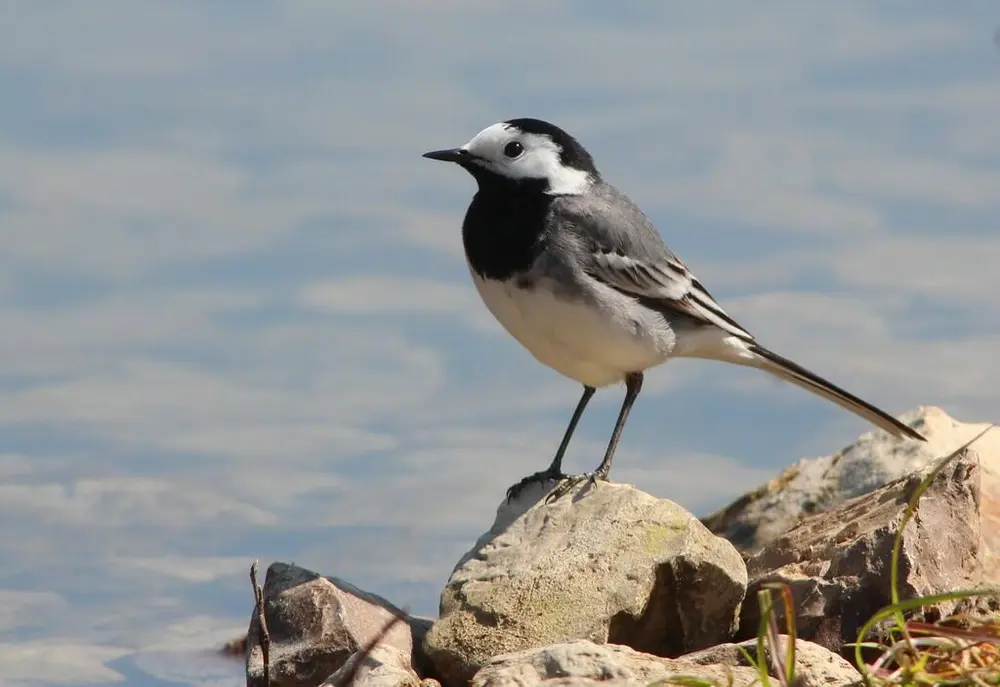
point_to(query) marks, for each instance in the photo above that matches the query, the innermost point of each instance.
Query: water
(235, 323)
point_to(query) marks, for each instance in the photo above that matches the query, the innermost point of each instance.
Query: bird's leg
(554, 471)
(556, 467)
(633, 385)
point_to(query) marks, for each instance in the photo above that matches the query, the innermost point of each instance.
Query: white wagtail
(577, 273)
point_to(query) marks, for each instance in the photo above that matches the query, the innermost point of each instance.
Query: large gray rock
(606, 562)
(815, 665)
(586, 663)
(816, 485)
(838, 564)
(315, 624)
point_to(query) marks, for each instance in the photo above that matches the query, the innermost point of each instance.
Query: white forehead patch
(540, 159)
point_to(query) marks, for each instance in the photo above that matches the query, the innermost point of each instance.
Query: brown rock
(315, 624)
(235, 648)
(838, 564)
(815, 665)
(586, 663)
(816, 485)
(607, 563)
(384, 666)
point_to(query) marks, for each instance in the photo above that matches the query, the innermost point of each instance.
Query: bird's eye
(513, 149)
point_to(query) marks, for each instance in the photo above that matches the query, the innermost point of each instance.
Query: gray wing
(616, 244)
(622, 249)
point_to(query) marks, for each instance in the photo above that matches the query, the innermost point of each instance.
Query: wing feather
(622, 249)
(665, 285)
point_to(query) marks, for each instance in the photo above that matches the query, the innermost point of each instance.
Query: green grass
(956, 651)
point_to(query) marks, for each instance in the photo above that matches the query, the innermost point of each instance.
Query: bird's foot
(571, 481)
(539, 477)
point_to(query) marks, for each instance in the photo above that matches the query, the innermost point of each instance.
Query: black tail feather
(793, 372)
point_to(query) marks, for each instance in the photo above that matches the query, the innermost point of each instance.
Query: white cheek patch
(540, 159)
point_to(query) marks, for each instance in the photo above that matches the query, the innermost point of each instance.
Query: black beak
(448, 155)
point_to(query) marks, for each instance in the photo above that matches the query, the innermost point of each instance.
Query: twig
(778, 664)
(263, 638)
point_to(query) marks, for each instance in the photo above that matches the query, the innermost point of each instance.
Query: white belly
(595, 345)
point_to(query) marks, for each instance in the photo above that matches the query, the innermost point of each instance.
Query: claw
(543, 476)
(571, 481)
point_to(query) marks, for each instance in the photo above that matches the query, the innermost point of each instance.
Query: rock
(419, 627)
(235, 648)
(585, 663)
(315, 624)
(605, 562)
(819, 667)
(816, 485)
(385, 666)
(838, 564)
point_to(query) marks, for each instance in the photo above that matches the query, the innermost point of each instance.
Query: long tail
(784, 368)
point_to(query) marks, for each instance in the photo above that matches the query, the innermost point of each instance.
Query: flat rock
(316, 623)
(838, 564)
(815, 665)
(585, 663)
(384, 666)
(816, 485)
(606, 563)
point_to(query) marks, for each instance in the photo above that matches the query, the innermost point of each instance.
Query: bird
(578, 274)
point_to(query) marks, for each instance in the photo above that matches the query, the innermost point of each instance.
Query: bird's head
(528, 151)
